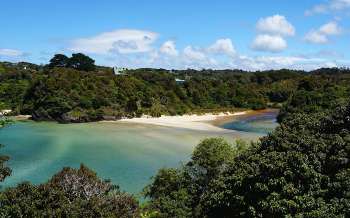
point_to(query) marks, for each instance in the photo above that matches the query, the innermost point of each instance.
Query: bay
(127, 154)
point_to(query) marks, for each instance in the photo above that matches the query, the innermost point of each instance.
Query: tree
(82, 62)
(59, 60)
(177, 192)
(70, 193)
(2, 69)
(78, 61)
(212, 155)
(5, 171)
(300, 170)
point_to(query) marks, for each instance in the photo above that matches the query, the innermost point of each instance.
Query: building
(179, 81)
(119, 70)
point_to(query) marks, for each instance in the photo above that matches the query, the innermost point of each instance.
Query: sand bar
(194, 122)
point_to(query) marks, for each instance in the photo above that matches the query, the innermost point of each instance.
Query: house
(179, 81)
(119, 70)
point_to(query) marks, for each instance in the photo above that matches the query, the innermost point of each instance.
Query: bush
(69, 193)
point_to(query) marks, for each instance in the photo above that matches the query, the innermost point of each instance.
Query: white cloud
(340, 4)
(223, 46)
(272, 31)
(269, 43)
(122, 41)
(329, 54)
(316, 37)
(330, 28)
(11, 53)
(321, 35)
(330, 6)
(275, 25)
(283, 62)
(317, 9)
(169, 48)
(199, 60)
(192, 54)
(167, 56)
(330, 64)
(279, 60)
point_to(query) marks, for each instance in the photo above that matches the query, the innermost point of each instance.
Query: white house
(119, 70)
(179, 81)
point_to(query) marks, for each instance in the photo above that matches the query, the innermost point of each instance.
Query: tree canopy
(69, 193)
(5, 171)
(78, 61)
(59, 60)
(75, 90)
(301, 169)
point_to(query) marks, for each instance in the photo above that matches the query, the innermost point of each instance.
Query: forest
(75, 90)
(301, 169)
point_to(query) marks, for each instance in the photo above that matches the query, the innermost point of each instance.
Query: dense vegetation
(75, 90)
(69, 193)
(5, 171)
(302, 169)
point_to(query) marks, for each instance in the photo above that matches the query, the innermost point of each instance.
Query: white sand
(194, 122)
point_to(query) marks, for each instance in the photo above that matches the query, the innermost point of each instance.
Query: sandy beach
(193, 122)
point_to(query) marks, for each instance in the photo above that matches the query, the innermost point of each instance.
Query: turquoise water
(259, 123)
(128, 154)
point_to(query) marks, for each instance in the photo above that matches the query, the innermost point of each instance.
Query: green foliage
(211, 155)
(59, 60)
(4, 121)
(75, 90)
(177, 192)
(302, 169)
(13, 86)
(70, 193)
(5, 171)
(78, 61)
(2, 69)
(169, 196)
(313, 96)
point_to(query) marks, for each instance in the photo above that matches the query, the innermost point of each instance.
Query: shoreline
(203, 122)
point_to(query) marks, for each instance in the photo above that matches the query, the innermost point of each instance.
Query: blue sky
(252, 35)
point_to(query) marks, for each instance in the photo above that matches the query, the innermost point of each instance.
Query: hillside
(65, 93)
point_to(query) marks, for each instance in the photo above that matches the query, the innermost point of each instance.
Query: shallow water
(260, 122)
(128, 154)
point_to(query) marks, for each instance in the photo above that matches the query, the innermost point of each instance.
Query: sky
(223, 34)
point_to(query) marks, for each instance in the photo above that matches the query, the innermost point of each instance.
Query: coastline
(21, 117)
(225, 119)
(203, 122)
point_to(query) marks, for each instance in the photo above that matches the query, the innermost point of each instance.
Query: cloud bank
(331, 6)
(5, 52)
(134, 48)
(123, 41)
